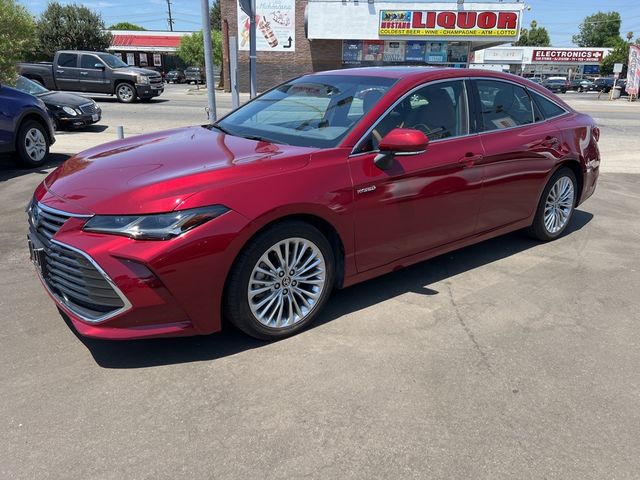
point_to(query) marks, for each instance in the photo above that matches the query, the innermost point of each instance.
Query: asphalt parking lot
(508, 359)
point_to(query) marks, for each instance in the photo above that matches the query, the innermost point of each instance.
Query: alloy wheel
(287, 282)
(125, 92)
(558, 205)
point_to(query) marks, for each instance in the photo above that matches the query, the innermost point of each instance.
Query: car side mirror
(99, 66)
(400, 142)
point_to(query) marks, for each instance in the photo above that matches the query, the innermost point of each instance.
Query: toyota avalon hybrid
(325, 181)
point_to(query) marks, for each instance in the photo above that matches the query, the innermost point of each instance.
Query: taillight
(596, 133)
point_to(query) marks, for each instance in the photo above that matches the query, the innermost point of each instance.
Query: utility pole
(170, 20)
(208, 62)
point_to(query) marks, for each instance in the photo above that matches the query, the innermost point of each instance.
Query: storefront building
(296, 37)
(147, 48)
(542, 62)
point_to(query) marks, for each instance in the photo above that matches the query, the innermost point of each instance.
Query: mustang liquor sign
(447, 23)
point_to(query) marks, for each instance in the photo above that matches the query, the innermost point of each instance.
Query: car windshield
(112, 60)
(310, 111)
(29, 86)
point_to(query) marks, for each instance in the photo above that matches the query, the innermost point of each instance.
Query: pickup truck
(94, 72)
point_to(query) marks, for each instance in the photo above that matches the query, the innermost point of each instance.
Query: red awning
(145, 41)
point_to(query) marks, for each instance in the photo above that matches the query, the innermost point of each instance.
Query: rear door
(93, 79)
(520, 150)
(426, 200)
(66, 72)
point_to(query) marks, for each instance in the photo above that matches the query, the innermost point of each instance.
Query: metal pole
(233, 71)
(252, 48)
(208, 61)
(170, 17)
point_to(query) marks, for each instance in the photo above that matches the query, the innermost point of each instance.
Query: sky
(560, 18)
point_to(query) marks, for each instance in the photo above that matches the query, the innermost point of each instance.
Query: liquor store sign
(449, 23)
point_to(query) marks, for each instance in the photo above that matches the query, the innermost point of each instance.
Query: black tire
(538, 229)
(236, 306)
(126, 93)
(26, 159)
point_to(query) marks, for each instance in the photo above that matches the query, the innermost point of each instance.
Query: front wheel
(125, 93)
(556, 206)
(32, 144)
(280, 281)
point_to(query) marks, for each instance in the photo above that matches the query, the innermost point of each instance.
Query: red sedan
(325, 181)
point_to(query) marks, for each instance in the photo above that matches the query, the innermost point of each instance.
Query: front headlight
(69, 111)
(162, 226)
(143, 79)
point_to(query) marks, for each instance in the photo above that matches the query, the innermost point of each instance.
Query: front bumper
(79, 121)
(169, 288)
(149, 91)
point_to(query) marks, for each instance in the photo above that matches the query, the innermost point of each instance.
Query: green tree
(534, 37)
(619, 54)
(126, 26)
(17, 30)
(70, 27)
(191, 49)
(599, 30)
(215, 16)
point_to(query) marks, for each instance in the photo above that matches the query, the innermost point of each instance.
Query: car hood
(138, 71)
(63, 99)
(157, 172)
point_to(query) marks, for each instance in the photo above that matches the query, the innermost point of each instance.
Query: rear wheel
(556, 206)
(280, 281)
(32, 144)
(125, 93)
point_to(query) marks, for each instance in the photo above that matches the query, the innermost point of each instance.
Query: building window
(157, 60)
(131, 59)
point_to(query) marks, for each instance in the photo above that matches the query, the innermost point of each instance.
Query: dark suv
(604, 84)
(25, 126)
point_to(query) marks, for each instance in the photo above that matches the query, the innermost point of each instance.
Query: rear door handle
(59, 71)
(470, 159)
(84, 73)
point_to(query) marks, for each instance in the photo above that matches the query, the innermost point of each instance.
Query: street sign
(617, 68)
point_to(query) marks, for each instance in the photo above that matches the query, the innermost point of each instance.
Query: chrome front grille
(79, 284)
(155, 80)
(89, 108)
(46, 221)
(73, 277)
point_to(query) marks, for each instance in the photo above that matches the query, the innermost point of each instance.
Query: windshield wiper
(218, 127)
(262, 139)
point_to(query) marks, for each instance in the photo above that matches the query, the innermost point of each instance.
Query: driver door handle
(470, 159)
(84, 73)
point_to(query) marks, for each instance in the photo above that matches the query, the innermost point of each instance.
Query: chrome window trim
(103, 318)
(411, 92)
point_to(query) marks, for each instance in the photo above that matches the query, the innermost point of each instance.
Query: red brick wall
(276, 67)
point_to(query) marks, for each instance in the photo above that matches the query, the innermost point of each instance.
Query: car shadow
(417, 278)
(108, 99)
(9, 167)
(95, 128)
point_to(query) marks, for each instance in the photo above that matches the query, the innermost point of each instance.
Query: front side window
(503, 105)
(88, 61)
(439, 110)
(67, 60)
(311, 111)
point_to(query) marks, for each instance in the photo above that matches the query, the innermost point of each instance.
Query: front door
(425, 200)
(93, 79)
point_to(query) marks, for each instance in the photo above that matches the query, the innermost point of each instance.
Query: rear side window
(67, 60)
(547, 107)
(503, 105)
